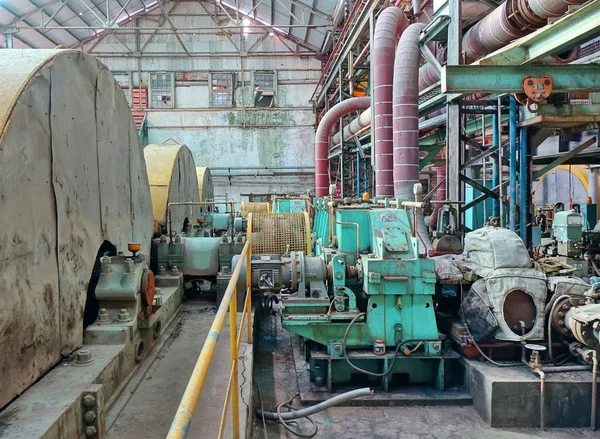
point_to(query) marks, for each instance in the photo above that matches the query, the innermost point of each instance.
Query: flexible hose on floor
(339, 399)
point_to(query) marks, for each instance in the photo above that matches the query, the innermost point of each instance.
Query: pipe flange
(526, 16)
(558, 317)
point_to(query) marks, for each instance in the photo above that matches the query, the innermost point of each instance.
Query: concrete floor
(276, 375)
(147, 405)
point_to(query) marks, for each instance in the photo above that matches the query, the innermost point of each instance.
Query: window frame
(273, 91)
(211, 96)
(151, 90)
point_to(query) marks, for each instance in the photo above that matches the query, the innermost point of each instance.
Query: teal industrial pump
(377, 321)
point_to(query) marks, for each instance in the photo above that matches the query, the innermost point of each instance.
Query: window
(161, 90)
(222, 90)
(264, 89)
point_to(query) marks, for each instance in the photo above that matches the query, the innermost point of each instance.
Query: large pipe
(440, 195)
(406, 121)
(391, 21)
(330, 119)
(504, 24)
(361, 122)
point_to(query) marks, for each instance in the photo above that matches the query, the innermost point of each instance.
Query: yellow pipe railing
(189, 401)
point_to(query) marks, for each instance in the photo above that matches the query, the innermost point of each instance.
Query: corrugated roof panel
(92, 13)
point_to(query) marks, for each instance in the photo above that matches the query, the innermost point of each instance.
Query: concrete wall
(241, 138)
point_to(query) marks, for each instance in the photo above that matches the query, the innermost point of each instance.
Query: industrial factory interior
(337, 219)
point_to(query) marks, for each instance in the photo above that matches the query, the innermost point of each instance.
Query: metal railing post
(233, 346)
(249, 292)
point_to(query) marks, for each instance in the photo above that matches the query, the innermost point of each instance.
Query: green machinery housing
(377, 322)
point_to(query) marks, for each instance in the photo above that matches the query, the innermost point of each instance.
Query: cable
(262, 412)
(287, 426)
(485, 356)
(331, 402)
(381, 374)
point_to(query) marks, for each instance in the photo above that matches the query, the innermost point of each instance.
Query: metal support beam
(574, 28)
(453, 126)
(512, 185)
(524, 189)
(484, 196)
(507, 79)
(564, 158)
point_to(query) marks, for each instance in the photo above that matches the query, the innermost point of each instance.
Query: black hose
(293, 410)
(358, 369)
(485, 356)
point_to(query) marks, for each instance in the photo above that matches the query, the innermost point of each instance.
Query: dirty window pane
(161, 86)
(264, 83)
(222, 90)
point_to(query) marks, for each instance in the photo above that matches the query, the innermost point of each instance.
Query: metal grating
(278, 233)
(255, 207)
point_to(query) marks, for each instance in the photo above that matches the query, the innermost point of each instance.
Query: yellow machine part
(173, 178)
(277, 233)
(254, 207)
(206, 190)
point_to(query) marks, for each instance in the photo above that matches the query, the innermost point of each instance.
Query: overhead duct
(406, 120)
(324, 129)
(509, 21)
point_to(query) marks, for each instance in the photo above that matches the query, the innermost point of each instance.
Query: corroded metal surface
(72, 177)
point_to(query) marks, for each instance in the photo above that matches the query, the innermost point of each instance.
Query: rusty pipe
(322, 139)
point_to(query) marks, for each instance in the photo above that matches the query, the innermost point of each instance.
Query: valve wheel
(148, 288)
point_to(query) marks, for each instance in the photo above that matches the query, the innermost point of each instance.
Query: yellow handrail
(189, 401)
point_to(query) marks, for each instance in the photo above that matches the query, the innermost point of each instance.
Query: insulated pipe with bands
(326, 125)
(390, 23)
(511, 20)
(406, 122)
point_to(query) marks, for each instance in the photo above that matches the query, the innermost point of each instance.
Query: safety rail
(189, 401)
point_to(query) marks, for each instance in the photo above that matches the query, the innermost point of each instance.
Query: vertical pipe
(358, 174)
(495, 164)
(390, 23)
(594, 390)
(484, 167)
(500, 165)
(523, 184)
(512, 183)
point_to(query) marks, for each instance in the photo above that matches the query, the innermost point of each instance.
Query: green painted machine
(204, 252)
(377, 322)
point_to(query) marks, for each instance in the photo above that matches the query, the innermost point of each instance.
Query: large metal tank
(173, 179)
(206, 190)
(72, 180)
